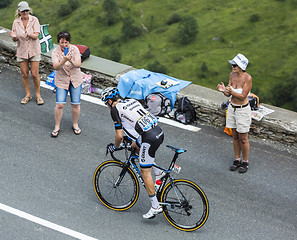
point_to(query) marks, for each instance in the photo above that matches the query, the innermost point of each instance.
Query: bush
(175, 18)
(129, 30)
(254, 18)
(285, 92)
(293, 3)
(115, 55)
(64, 10)
(111, 12)
(156, 67)
(187, 30)
(5, 3)
(74, 4)
(149, 54)
(204, 67)
(68, 8)
(107, 40)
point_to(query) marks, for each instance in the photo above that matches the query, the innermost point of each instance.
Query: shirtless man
(239, 111)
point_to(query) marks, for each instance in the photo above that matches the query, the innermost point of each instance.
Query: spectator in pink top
(25, 31)
(68, 78)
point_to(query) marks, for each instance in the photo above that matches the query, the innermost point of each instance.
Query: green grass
(225, 29)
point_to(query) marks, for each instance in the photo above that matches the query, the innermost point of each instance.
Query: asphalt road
(45, 179)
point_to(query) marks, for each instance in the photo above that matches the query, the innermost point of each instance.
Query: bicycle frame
(130, 161)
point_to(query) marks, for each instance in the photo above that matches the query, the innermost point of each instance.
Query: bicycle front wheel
(185, 205)
(116, 186)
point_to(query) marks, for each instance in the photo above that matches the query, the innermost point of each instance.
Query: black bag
(185, 111)
(254, 101)
(157, 104)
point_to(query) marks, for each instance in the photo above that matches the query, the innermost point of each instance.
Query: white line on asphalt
(45, 223)
(98, 101)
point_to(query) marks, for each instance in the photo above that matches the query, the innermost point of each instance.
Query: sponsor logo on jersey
(126, 117)
(143, 154)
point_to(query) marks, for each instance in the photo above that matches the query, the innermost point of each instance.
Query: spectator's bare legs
(25, 77)
(244, 145)
(36, 78)
(75, 115)
(58, 116)
(241, 145)
(236, 144)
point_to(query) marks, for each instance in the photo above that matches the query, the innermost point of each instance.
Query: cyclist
(142, 127)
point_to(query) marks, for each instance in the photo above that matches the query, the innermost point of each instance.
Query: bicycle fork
(180, 203)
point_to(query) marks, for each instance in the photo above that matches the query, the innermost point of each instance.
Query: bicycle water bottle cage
(177, 150)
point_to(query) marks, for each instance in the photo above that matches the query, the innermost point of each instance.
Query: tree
(286, 92)
(175, 18)
(157, 67)
(74, 4)
(68, 8)
(111, 11)
(129, 30)
(5, 3)
(187, 30)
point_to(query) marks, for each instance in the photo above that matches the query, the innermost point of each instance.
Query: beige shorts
(36, 58)
(239, 118)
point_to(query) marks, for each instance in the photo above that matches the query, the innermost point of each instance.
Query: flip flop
(55, 134)
(76, 131)
(26, 99)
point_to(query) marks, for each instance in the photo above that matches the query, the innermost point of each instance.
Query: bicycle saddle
(177, 150)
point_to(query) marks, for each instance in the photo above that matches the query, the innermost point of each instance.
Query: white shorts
(239, 118)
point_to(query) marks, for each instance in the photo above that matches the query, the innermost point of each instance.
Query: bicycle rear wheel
(185, 205)
(116, 186)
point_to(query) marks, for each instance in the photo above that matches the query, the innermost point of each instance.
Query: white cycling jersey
(131, 116)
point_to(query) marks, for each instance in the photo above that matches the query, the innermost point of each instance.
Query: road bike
(184, 203)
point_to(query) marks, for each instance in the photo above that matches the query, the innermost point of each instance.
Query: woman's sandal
(55, 134)
(26, 99)
(39, 100)
(76, 131)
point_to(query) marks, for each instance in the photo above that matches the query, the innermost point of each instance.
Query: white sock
(154, 201)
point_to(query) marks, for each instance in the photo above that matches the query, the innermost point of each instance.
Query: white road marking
(98, 101)
(45, 223)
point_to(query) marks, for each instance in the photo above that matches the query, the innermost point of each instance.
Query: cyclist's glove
(110, 148)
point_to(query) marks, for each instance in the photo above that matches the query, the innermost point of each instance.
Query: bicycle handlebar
(126, 146)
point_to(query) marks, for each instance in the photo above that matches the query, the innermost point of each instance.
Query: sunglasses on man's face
(234, 65)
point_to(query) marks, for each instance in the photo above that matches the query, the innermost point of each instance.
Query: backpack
(185, 111)
(254, 101)
(84, 52)
(157, 104)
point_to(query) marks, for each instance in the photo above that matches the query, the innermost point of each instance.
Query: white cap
(22, 6)
(240, 60)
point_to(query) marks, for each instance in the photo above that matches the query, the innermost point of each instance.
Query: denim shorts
(61, 94)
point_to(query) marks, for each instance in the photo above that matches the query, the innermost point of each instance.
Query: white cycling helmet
(109, 93)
